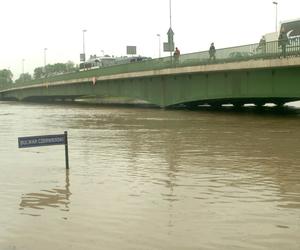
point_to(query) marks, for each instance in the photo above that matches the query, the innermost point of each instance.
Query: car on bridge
(95, 62)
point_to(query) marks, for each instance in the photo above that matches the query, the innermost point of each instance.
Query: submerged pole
(66, 150)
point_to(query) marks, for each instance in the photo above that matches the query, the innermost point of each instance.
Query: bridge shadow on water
(261, 111)
(285, 110)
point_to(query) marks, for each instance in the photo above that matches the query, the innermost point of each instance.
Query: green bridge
(239, 75)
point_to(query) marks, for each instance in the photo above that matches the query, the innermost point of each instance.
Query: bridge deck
(232, 66)
(191, 80)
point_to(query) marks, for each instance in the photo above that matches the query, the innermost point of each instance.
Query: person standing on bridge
(283, 41)
(262, 45)
(212, 52)
(176, 55)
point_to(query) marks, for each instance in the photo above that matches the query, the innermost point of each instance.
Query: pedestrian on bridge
(283, 41)
(176, 55)
(212, 52)
(262, 45)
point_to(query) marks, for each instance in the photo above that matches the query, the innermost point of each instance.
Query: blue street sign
(44, 140)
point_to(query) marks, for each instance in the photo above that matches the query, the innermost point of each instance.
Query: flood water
(144, 178)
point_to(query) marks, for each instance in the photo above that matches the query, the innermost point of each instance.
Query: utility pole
(45, 57)
(170, 32)
(276, 7)
(23, 60)
(45, 61)
(170, 5)
(83, 43)
(159, 44)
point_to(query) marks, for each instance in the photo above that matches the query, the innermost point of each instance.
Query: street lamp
(276, 7)
(170, 32)
(83, 43)
(170, 6)
(23, 60)
(45, 61)
(159, 43)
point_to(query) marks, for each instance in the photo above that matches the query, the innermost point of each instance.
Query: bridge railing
(255, 51)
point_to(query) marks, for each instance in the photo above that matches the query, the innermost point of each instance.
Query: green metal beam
(278, 85)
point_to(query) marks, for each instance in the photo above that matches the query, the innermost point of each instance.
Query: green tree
(70, 66)
(54, 69)
(38, 73)
(26, 77)
(58, 68)
(6, 77)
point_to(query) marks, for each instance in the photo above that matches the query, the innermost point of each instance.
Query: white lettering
(42, 141)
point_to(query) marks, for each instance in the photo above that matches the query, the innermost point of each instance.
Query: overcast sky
(29, 26)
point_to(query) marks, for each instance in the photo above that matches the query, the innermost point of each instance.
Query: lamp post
(170, 32)
(83, 43)
(276, 7)
(159, 44)
(45, 60)
(170, 6)
(23, 60)
(45, 57)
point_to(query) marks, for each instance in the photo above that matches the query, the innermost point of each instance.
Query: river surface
(144, 178)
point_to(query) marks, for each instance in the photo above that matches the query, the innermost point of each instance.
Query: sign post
(66, 150)
(46, 140)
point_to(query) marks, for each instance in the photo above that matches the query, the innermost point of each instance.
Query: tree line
(6, 76)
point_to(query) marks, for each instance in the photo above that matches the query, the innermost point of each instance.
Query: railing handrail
(273, 49)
